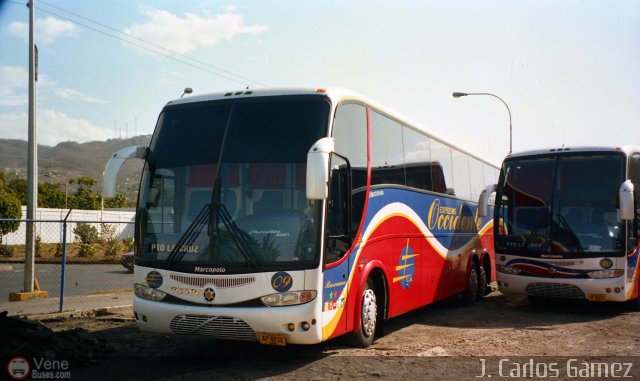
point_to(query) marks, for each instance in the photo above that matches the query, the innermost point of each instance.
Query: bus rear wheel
(368, 317)
(471, 294)
(482, 284)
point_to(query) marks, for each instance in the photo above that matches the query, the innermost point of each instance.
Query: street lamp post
(459, 94)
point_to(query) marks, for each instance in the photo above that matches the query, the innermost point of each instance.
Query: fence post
(64, 259)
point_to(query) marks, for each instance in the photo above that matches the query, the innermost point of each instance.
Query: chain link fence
(80, 262)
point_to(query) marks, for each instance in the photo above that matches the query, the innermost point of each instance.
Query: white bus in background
(566, 223)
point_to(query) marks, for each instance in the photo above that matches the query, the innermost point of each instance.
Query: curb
(98, 306)
(69, 261)
(93, 312)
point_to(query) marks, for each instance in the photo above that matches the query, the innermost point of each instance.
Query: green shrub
(128, 244)
(7, 251)
(108, 236)
(86, 250)
(85, 233)
(9, 209)
(58, 253)
(38, 246)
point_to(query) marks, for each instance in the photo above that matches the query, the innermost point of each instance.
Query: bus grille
(217, 282)
(219, 327)
(555, 290)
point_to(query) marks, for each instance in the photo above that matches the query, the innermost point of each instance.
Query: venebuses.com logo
(19, 368)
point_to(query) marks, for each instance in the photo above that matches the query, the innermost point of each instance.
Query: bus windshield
(223, 188)
(560, 206)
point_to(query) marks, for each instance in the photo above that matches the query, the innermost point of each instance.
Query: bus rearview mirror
(113, 166)
(625, 194)
(318, 169)
(483, 202)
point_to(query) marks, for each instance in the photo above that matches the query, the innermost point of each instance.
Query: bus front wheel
(368, 317)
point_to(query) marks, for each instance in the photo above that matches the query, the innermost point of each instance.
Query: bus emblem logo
(281, 281)
(209, 294)
(406, 267)
(154, 279)
(606, 263)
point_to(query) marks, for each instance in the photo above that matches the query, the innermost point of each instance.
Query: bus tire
(482, 283)
(368, 317)
(471, 294)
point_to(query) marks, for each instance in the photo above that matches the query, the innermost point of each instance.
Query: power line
(154, 45)
(170, 53)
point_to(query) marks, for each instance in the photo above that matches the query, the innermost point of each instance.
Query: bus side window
(442, 170)
(350, 132)
(160, 204)
(338, 209)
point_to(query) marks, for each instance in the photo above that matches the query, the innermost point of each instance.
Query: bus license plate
(596, 297)
(273, 339)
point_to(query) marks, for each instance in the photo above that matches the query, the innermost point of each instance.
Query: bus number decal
(281, 281)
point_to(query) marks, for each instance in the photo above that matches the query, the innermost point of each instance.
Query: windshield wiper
(193, 231)
(219, 211)
(534, 232)
(196, 227)
(567, 228)
(236, 235)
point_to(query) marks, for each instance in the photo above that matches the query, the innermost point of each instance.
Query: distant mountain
(70, 160)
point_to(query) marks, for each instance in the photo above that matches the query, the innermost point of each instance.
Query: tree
(51, 196)
(84, 198)
(9, 209)
(18, 187)
(119, 201)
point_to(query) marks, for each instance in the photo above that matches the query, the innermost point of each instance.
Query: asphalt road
(80, 279)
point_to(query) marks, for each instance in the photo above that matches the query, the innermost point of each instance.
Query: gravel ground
(499, 337)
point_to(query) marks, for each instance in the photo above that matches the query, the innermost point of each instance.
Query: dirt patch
(442, 341)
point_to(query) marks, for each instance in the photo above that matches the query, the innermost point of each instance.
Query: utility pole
(31, 288)
(32, 164)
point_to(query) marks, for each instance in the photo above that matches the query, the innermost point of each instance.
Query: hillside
(70, 160)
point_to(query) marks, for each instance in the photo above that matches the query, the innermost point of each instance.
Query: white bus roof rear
(336, 94)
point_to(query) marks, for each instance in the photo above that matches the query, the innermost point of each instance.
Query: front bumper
(234, 323)
(612, 289)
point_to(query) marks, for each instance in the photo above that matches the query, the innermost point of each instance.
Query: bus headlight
(603, 274)
(507, 269)
(146, 292)
(290, 298)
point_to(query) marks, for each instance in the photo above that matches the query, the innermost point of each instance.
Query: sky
(568, 70)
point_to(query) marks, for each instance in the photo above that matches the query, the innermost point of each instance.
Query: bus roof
(627, 150)
(337, 95)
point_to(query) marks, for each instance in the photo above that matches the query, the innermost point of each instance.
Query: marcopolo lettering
(210, 270)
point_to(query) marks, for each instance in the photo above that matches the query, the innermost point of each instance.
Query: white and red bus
(565, 223)
(296, 216)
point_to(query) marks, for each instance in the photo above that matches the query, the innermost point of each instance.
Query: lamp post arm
(508, 110)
